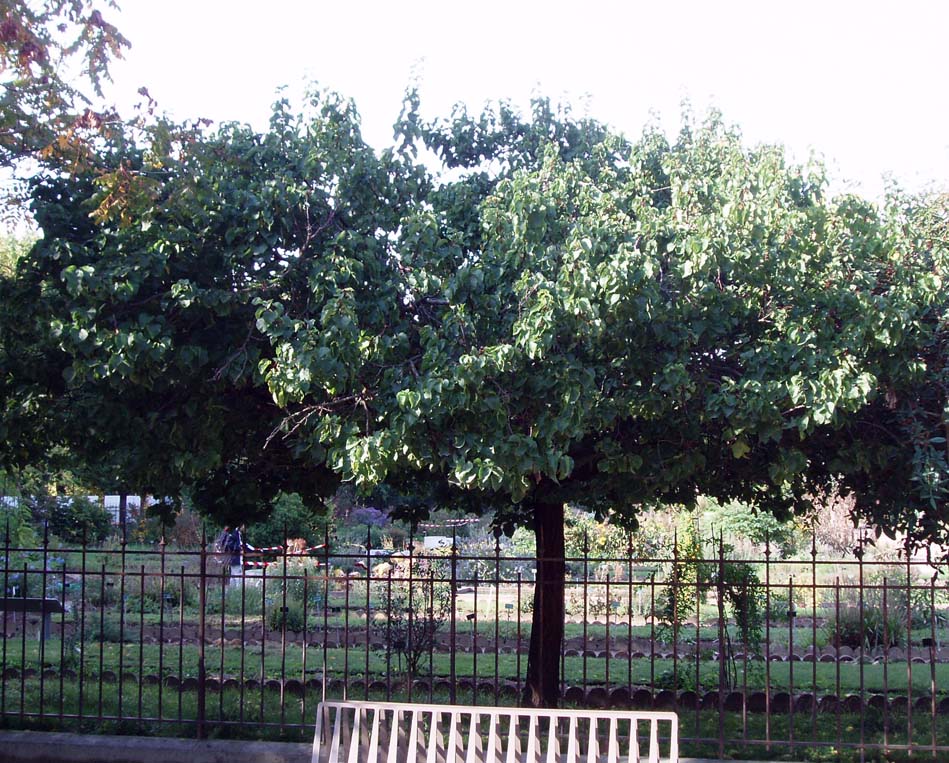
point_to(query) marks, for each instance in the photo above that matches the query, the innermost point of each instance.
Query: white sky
(862, 83)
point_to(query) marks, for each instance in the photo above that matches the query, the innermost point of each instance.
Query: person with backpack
(230, 547)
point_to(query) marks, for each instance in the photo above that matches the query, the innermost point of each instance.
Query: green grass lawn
(235, 610)
(271, 660)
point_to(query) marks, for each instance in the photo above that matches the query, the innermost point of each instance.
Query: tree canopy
(662, 321)
(145, 347)
(557, 313)
(55, 58)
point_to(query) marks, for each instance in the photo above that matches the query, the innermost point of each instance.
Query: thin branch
(301, 417)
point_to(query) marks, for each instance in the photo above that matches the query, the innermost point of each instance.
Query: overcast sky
(861, 83)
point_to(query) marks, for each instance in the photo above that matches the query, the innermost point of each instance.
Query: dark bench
(45, 607)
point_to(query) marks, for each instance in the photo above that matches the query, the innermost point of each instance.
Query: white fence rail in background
(389, 732)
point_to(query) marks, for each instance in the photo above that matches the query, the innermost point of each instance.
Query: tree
(77, 520)
(650, 323)
(55, 56)
(12, 248)
(46, 116)
(145, 351)
(565, 316)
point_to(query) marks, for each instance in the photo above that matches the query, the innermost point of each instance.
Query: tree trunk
(542, 687)
(123, 512)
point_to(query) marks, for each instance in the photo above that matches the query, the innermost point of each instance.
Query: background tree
(77, 520)
(12, 249)
(55, 58)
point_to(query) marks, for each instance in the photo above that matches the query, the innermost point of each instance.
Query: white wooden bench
(390, 732)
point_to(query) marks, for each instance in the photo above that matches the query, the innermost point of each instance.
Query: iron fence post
(202, 600)
(837, 687)
(141, 636)
(6, 593)
(792, 613)
(431, 634)
(122, 559)
(497, 616)
(673, 585)
(861, 547)
(722, 646)
(767, 640)
(44, 633)
(517, 645)
(932, 658)
(411, 615)
(368, 607)
(326, 601)
(814, 631)
(453, 619)
(698, 638)
(474, 641)
(886, 662)
(586, 610)
(161, 627)
(909, 645)
(629, 612)
(23, 651)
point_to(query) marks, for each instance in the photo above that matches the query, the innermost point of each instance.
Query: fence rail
(765, 655)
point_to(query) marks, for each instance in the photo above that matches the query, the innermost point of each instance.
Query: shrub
(902, 604)
(78, 520)
(102, 591)
(523, 543)
(874, 630)
(300, 578)
(109, 630)
(290, 616)
(780, 605)
(72, 649)
(247, 600)
(736, 584)
(17, 521)
(164, 520)
(738, 521)
(178, 591)
(681, 680)
(416, 613)
(290, 516)
(185, 531)
(585, 536)
(146, 604)
(884, 625)
(394, 537)
(146, 594)
(590, 601)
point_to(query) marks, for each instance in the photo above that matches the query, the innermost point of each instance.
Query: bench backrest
(390, 732)
(21, 604)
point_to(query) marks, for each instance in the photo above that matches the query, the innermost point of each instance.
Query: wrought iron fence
(760, 656)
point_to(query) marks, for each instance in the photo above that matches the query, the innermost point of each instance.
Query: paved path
(53, 747)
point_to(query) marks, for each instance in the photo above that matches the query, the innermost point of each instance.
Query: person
(234, 546)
